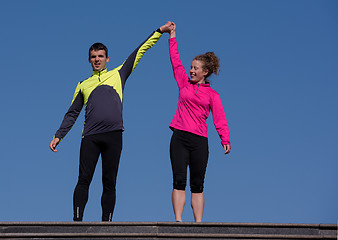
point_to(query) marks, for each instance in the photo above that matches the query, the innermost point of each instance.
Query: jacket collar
(206, 84)
(98, 73)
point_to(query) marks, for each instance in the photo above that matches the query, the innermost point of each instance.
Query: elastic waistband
(187, 133)
(104, 133)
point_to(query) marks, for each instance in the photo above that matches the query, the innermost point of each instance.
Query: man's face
(98, 59)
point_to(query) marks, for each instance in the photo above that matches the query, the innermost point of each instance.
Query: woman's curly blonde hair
(210, 63)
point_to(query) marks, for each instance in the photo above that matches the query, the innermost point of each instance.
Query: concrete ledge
(164, 230)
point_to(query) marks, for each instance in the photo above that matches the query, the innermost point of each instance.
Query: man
(101, 94)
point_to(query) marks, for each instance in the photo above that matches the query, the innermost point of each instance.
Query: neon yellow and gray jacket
(102, 94)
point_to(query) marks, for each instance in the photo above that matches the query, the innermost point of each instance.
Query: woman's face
(197, 73)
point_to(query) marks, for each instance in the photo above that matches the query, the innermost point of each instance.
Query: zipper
(197, 88)
(99, 76)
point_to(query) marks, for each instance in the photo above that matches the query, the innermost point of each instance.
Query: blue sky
(278, 83)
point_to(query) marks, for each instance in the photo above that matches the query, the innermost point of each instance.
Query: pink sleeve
(219, 119)
(179, 71)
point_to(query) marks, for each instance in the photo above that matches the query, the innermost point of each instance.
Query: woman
(189, 142)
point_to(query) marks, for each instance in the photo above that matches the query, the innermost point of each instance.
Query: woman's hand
(172, 30)
(227, 148)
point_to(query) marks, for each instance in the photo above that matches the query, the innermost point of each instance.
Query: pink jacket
(195, 102)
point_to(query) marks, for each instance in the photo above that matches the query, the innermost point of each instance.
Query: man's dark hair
(98, 46)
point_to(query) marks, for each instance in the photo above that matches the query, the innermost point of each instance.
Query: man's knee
(84, 181)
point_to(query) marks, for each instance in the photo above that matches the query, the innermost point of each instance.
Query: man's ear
(107, 60)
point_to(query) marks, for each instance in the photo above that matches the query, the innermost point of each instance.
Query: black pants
(188, 149)
(109, 145)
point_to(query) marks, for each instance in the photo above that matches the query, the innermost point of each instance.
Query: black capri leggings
(188, 149)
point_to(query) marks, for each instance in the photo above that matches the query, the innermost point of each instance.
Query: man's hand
(227, 148)
(167, 27)
(53, 144)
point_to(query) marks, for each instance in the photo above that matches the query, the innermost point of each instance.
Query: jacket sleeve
(134, 58)
(180, 75)
(71, 115)
(219, 119)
